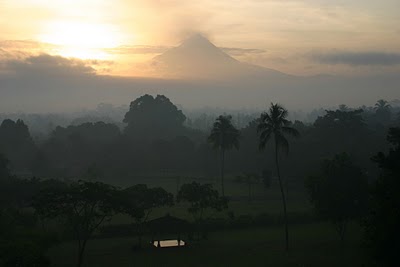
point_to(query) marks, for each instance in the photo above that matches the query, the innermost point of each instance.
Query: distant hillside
(198, 58)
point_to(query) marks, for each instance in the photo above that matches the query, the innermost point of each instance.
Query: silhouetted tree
(139, 201)
(22, 253)
(340, 119)
(398, 118)
(382, 223)
(201, 197)
(17, 145)
(343, 107)
(345, 130)
(339, 193)
(22, 242)
(382, 104)
(72, 150)
(266, 178)
(274, 124)
(150, 117)
(84, 205)
(383, 111)
(224, 136)
(184, 151)
(4, 171)
(249, 179)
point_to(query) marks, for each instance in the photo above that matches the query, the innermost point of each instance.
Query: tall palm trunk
(222, 171)
(249, 184)
(283, 198)
(81, 251)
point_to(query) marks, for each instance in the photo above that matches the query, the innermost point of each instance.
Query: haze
(199, 133)
(68, 55)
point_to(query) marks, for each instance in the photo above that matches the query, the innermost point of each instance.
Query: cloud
(23, 48)
(138, 49)
(46, 82)
(241, 51)
(148, 49)
(48, 65)
(358, 58)
(21, 44)
(165, 21)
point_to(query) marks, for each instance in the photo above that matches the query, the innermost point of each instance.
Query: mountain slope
(198, 58)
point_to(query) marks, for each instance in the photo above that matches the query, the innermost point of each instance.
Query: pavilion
(167, 226)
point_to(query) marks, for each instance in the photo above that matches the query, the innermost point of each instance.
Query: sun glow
(81, 39)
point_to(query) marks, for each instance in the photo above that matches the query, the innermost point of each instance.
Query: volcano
(198, 58)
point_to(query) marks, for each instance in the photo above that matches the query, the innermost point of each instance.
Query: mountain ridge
(197, 57)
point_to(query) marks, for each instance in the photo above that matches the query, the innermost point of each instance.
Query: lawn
(311, 245)
(264, 201)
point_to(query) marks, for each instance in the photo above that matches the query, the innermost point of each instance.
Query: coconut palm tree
(249, 179)
(224, 136)
(274, 124)
(382, 104)
(383, 111)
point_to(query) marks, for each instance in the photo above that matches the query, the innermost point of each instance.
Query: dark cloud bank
(51, 83)
(146, 49)
(358, 58)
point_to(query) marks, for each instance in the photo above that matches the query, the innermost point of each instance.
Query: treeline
(333, 156)
(157, 141)
(38, 214)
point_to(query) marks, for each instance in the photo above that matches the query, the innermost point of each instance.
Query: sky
(68, 55)
(117, 37)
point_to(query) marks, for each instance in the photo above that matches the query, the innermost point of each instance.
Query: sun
(81, 39)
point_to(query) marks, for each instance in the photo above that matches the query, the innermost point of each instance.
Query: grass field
(265, 201)
(311, 245)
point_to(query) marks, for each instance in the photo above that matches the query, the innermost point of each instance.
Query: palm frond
(264, 138)
(290, 131)
(262, 144)
(275, 123)
(223, 134)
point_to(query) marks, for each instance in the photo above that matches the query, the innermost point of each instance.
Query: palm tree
(224, 136)
(249, 179)
(274, 124)
(382, 104)
(382, 109)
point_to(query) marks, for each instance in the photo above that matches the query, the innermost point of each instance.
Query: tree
(151, 117)
(224, 136)
(345, 130)
(79, 146)
(23, 253)
(4, 171)
(139, 201)
(274, 124)
(22, 243)
(382, 109)
(382, 104)
(339, 193)
(383, 220)
(266, 178)
(201, 197)
(249, 179)
(398, 118)
(84, 205)
(343, 107)
(340, 120)
(17, 145)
